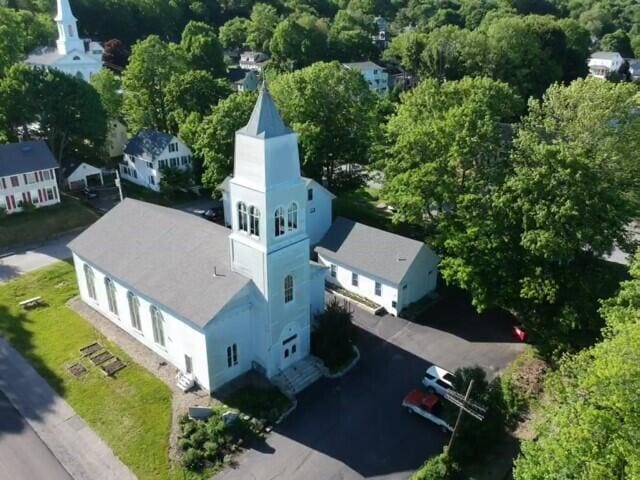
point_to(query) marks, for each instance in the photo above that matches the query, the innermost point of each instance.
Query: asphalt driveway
(354, 427)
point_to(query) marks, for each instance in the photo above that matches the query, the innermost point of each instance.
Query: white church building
(79, 57)
(217, 302)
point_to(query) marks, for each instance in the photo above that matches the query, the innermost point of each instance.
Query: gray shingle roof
(148, 143)
(44, 56)
(368, 65)
(265, 121)
(166, 255)
(25, 157)
(382, 254)
(605, 55)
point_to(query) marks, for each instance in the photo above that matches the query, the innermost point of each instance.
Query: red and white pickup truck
(426, 405)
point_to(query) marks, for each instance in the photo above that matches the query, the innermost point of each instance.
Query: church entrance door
(289, 351)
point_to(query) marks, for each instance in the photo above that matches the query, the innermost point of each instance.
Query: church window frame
(90, 280)
(70, 30)
(110, 288)
(134, 310)
(292, 217)
(288, 289)
(243, 223)
(157, 322)
(254, 221)
(232, 355)
(279, 222)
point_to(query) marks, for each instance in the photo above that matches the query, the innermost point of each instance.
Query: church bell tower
(68, 36)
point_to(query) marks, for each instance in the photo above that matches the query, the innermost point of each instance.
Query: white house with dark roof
(216, 302)
(27, 175)
(79, 57)
(374, 75)
(390, 270)
(255, 61)
(603, 64)
(146, 154)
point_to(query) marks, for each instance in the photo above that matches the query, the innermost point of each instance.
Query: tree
(350, 37)
(298, 41)
(202, 50)
(331, 108)
(151, 66)
(116, 54)
(589, 417)
(617, 41)
(334, 336)
(20, 32)
(109, 88)
(233, 34)
(215, 136)
(174, 180)
(444, 141)
(263, 22)
(407, 49)
(578, 49)
(195, 91)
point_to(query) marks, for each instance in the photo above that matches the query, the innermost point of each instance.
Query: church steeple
(265, 121)
(68, 39)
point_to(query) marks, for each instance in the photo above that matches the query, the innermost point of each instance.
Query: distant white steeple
(68, 38)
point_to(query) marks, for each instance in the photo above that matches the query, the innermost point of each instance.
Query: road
(23, 456)
(32, 257)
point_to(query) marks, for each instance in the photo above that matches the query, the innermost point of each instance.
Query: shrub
(185, 444)
(440, 467)
(193, 459)
(334, 336)
(200, 436)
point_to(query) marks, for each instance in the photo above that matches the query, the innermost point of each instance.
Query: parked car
(438, 380)
(427, 405)
(519, 332)
(212, 214)
(89, 193)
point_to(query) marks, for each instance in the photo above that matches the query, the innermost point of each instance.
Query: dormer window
(243, 224)
(254, 221)
(292, 217)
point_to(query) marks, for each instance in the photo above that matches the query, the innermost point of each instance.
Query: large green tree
(233, 34)
(20, 32)
(589, 420)
(201, 49)
(151, 66)
(331, 108)
(263, 21)
(109, 87)
(298, 41)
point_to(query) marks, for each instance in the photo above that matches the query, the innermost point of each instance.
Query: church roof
(25, 157)
(370, 250)
(44, 56)
(148, 142)
(265, 121)
(166, 255)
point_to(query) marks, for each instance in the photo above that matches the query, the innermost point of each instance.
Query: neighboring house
(319, 208)
(79, 176)
(79, 57)
(603, 64)
(401, 79)
(374, 75)
(116, 138)
(243, 80)
(634, 69)
(214, 302)
(390, 270)
(381, 37)
(146, 154)
(253, 61)
(27, 175)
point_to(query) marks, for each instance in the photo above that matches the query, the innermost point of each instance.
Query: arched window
(158, 325)
(279, 224)
(242, 217)
(288, 289)
(111, 295)
(134, 310)
(91, 281)
(292, 217)
(254, 221)
(70, 28)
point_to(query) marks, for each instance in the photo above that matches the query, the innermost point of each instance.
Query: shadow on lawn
(15, 376)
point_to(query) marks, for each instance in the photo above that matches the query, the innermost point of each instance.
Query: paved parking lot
(354, 427)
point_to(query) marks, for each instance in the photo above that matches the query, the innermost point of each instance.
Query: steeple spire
(68, 39)
(265, 121)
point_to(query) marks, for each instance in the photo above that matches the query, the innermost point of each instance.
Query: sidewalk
(76, 446)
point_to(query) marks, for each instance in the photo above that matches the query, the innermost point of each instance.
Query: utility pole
(119, 184)
(465, 405)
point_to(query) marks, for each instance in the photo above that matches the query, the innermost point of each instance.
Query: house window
(254, 221)
(162, 163)
(15, 182)
(31, 178)
(279, 221)
(332, 269)
(173, 161)
(292, 217)
(91, 281)
(393, 304)
(354, 279)
(149, 165)
(173, 147)
(157, 321)
(50, 194)
(151, 180)
(310, 194)
(404, 287)
(46, 175)
(378, 289)
(243, 225)
(111, 295)
(288, 289)
(232, 355)
(134, 310)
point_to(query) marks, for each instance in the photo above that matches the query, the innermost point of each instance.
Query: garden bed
(367, 304)
(267, 404)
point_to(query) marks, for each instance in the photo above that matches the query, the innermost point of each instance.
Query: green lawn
(40, 224)
(132, 412)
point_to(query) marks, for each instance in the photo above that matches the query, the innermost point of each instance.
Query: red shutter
(24, 197)
(28, 197)
(11, 203)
